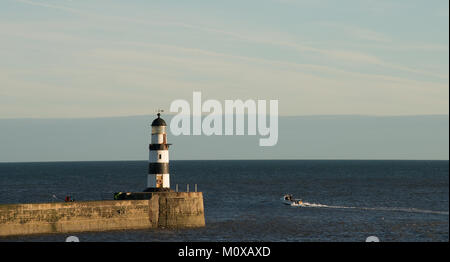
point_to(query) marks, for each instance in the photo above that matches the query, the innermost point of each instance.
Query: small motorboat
(289, 199)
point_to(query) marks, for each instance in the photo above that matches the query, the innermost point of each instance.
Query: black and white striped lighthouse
(158, 167)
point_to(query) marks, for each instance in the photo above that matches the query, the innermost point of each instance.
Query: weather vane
(159, 111)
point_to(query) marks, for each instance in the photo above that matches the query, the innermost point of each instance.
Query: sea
(348, 200)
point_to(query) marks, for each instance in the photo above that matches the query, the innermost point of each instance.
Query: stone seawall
(165, 209)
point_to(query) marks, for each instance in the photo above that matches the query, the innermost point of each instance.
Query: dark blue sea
(350, 200)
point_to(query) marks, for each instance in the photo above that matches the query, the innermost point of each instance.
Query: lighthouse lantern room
(158, 167)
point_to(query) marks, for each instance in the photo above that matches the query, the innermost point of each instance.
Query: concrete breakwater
(159, 210)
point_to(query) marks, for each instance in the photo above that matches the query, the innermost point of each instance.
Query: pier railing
(187, 188)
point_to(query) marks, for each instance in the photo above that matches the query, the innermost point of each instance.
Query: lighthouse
(158, 166)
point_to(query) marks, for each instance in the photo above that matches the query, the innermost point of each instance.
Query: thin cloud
(335, 54)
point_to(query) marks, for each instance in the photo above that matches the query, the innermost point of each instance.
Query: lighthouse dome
(159, 121)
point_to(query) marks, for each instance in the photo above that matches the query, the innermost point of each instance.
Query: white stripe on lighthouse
(152, 178)
(166, 181)
(159, 156)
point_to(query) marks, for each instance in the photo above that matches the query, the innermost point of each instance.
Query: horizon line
(261, 159)
(171, 114)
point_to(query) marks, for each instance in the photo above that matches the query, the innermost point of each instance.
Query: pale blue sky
(114, 58)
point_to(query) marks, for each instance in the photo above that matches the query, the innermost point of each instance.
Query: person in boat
(288, 197)
(68, 199)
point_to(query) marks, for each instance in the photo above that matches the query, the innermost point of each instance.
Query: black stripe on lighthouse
(159, 147)
(158, 168)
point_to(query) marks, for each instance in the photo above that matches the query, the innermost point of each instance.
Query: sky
(300, 137)
(80, 58)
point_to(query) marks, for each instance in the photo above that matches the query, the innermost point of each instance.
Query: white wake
(398, 209)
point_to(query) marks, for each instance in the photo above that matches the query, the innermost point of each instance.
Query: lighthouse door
(159, 181)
